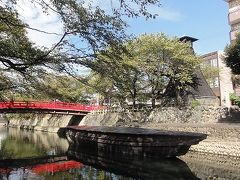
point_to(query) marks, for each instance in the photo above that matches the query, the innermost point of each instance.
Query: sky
(205, 20)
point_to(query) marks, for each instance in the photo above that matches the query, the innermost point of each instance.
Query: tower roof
(188, 38)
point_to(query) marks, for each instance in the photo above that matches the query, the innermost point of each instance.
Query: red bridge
(51, 107)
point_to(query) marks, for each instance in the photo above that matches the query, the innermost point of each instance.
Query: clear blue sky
(205, 20)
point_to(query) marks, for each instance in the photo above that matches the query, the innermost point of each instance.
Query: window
(214, 63)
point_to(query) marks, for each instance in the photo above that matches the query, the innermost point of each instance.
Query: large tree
(21, 61)
(93, 28)
(156, 67)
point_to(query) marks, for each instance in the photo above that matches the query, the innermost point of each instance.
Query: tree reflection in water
(32, 159)
(39, 155)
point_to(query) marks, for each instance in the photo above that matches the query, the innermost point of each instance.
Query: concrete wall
(224, 77)
(43, 122)
(226, 86)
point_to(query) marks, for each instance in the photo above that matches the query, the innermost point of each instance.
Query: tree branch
(6, 20)
(18, 67)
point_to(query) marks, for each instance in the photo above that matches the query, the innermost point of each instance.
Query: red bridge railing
(52, 105)
(48, 167)
(57, 167)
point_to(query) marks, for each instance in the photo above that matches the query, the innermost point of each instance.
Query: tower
(202, 90)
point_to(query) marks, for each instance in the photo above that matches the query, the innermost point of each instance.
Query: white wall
(226, 86)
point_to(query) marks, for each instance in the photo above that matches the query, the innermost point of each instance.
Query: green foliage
(209, 72)
(235, 99)
(54, 87)
(156, 67)
(83, 22)
(195, 103)
(64, 88)
(23, 65)
(233, 55)
(20, 59)
(101, 85)
(12, 148)
(168, 64)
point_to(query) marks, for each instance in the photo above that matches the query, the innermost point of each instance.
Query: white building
(221, 84)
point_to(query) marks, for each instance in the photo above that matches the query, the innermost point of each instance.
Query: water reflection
(137, 168)
(39, 155)
(3, 135)
(20, 144)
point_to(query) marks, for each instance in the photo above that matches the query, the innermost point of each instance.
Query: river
(40, 155)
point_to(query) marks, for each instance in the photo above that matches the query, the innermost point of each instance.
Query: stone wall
(202, 119)
(199, 114)
(223, 138)
(101, 119)
(212, 166)
(234, 115)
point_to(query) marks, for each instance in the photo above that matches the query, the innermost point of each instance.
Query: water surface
(39, 155)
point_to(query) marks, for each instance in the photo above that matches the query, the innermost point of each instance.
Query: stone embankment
(212, 166)
(223, 132)
(223, 138)
(200, 114)
(217, 157)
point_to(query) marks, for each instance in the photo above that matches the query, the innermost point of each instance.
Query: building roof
(203, 89)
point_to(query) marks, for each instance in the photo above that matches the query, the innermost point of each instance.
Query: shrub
(235, 99)
(195, 103)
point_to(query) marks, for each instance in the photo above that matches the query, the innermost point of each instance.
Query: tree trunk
(153, 98)
(153, 102)
(134, 95)
(178, 97)
(134, 103)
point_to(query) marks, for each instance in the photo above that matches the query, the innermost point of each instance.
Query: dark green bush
(235, 99)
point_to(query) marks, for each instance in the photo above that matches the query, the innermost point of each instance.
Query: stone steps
(217, 146)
